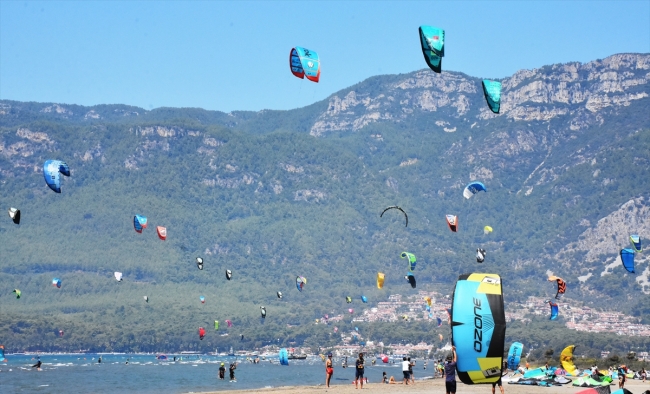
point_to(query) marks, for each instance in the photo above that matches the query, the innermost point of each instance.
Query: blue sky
(228, 56)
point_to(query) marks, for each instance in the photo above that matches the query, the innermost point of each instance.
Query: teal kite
(433, 46)
(492, 92)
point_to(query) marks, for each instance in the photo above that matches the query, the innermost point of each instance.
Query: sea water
(80, 373)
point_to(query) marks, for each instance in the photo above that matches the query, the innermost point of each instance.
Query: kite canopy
(162, 232)
(555, 310)
(480, 255)
(201, 333)
(300, 282)
(18, 293)
(228, 323)
(2, 354)
(492, 92)
(351, 310)
(216, 324)
(146, 298)
(348, 299)
(304, 63)
(279, 294)
(380, 280)
(412, 260)
(199, 263)
(411, 279)
(566, 358)
(263, 312)
(452, 222)
(472, 188)
(14, 214)
(439, 320)
(56, 282)
(118, 276)
(433, 46)
(487, 230)
(561, 285)
(428, 300)
(627, 257)
(406, 217)
(514, 355)
(634, 239)
(139, 223)
(228, 274)
(478, 327)
(51, 172)
(364, 299)
(202, 298)
(283, 356)
(60, 333)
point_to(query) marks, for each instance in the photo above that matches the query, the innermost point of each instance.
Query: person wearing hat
(329, 370)
(222, 371)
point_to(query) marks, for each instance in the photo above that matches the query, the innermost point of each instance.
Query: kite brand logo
(310, 64)
(436, 38)
(478, 326)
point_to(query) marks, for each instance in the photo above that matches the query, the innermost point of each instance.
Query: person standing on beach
(405, 370)
(411, 365)
(450, 372)
(329, 370)
(504, 368)
(359, 371)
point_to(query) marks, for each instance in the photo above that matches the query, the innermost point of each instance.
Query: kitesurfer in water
(329, 370)
(450, 372)
(37, 365)
(233, 366)
(359, 371)
(222, 371)
(99, 360)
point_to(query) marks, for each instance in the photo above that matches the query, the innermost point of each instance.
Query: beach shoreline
(434, 386)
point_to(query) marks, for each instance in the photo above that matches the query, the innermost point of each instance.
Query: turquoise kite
(51, 172)
(636, 242)
(304, 63)
(627, 257)
(492, 92)
(364, 299)
(555, 310)
(433, 46)
(139, 223)
(514, 355)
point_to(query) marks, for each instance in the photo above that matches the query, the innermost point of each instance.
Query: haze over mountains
(275, 194)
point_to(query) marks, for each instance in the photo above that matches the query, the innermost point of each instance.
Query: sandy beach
(437, 386)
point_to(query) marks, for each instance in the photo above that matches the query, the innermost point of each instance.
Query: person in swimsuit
(329, 370)
(359, 371)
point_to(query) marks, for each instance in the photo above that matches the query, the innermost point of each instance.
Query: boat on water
(231, 352)
(297, 356)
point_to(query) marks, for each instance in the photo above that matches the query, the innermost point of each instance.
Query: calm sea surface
(145, 374)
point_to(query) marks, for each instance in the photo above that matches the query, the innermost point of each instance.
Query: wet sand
(438, 386)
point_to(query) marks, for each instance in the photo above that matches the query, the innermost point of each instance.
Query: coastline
(435, 386)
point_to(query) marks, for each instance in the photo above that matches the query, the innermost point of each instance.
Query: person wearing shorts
(405, 370)
(359, 371)
(450, 372)
(504, 368)
(329, 370)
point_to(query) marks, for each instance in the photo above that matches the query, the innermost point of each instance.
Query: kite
(492, 92)
(202, 299)
(201, 333)
(118, 276)
(555, 310)
(514, 355)
(51, 172)
(2, 354)
(487, 230)
(380, 280)
(162, 232)
(452, 222)
(348, 299)
(146, 298)
(364, 299)
(228, 274)
(634, 239)
(480, 255)
(304, 63)
(566, 358)
(60, 333)
(561, 285)
(439, 320)
(216, 324)
(283, 356)
(263, 312)
(478, 327)
(411, 257)
(56, 282)
(228, 323)
(14, 214)
(279, 294)
(398, 208)
(351, 310)
(472, 188)
(627, 258)
(18, 293)
(300, 282)
(428, 300)
(199, 263)
(433, 46)
(139, 223)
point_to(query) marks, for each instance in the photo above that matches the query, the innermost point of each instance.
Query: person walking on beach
(329, 370)
(405, 370)
(411, 365)
(359, 371)
(222, 371)
(504, 368)
(450, 372)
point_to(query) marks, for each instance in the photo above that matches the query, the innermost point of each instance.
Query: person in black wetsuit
(37, 365)
(233, 366)
(222, 371)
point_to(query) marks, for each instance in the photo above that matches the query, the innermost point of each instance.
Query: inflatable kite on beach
(411, 259)
(139, 223)
(478, 327)
(52, 170)
(432, 40)
(406, 217)
(566, 358)
(304, 63)
(492, 92)
(514, 355)
(14, 214)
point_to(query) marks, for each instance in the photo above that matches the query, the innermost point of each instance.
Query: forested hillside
(275, 194)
